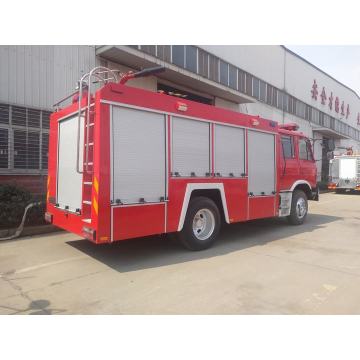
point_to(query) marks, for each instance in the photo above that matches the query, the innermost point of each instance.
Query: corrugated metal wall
(38, 76)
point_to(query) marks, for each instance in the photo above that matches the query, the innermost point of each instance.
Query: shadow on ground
(35, 307)
(156, 251)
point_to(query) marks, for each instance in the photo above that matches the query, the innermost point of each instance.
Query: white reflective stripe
(200, 186)
(298, 182)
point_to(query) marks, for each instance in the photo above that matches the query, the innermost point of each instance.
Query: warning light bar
(289, 126)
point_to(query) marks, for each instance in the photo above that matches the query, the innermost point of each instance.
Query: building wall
(38, 76)
(36, 184)
(263, 61)
(301, 86)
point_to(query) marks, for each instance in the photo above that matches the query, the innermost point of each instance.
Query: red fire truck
(127, 162)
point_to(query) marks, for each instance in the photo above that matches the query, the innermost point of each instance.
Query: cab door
(306, 161)
(289, 165)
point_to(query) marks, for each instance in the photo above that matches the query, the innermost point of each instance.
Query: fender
(201, 186)
(299, 182)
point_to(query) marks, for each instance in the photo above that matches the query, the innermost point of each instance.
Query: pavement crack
(33, 304)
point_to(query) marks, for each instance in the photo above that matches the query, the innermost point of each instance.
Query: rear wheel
(202, 224)
(299, 208)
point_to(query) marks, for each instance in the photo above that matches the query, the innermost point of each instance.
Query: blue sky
(341, 62)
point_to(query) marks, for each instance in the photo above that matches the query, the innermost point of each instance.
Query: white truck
(344, 172)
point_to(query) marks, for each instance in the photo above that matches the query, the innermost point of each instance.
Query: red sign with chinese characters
(314, 90)
(337, 107)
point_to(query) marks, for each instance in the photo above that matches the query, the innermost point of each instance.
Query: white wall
(263, 61)
(38, 76)
(299, 80)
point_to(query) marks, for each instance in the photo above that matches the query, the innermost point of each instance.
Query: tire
(299, 208)
(200, 234)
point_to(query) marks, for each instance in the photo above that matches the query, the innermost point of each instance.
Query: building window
(287, 147)
(224, 73)
(213, 68)
(46, 119)
(262, 91)
(26, 150)
(327, 121)
(21, 130)
(164, 52)
(292, 105)
(33, 150)
(286, 102)
(203, 60)
(191, 58)
(4, 114)
(178, 55)
(149, 49)
(4, 148)
(20, 149)
(332, 123)
(233, 77)
(18, 116)
(280, 99)
(44, 150)
(241, 81)
(308, 113)
(269, 90)
(300, 109)
(274, 97)
(315, 116)
(34, 118)
(256, 88)
(248, 89)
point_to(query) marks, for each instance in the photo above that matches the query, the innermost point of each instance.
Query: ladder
(87, 114)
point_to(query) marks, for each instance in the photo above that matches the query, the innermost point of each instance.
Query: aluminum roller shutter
(190, 147)
(261, 163)
(229, 150)
(139, 166)
(69, 181)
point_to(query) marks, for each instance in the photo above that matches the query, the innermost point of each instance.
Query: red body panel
(262, 207)
(138, 220)
(111, 223)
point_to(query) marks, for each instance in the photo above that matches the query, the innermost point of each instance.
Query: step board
(88, 221)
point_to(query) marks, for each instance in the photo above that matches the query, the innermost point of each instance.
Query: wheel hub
(203, 224)
(301, 207)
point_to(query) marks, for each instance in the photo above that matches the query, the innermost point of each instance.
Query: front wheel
(299, 208)
(202, 224)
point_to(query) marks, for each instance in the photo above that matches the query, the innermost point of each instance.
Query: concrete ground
(261, 267)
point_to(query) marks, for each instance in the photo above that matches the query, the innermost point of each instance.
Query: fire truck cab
(126, 163)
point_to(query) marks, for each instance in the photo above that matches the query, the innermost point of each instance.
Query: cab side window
(305, 152)
(288, 147)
